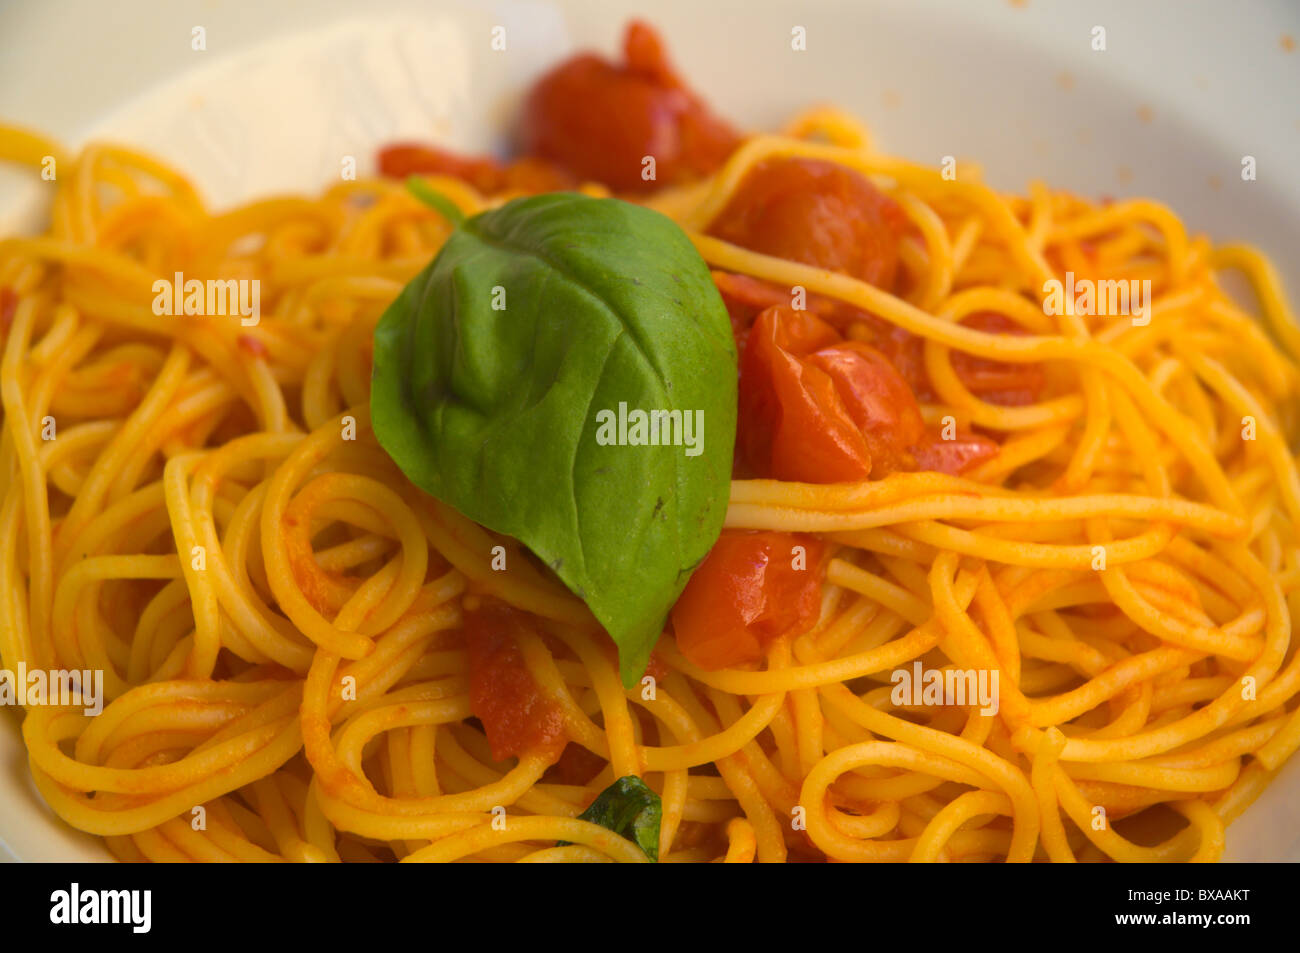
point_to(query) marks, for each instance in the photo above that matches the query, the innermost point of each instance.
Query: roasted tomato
(819, 213)
(490, 176)
(793, 424)
(8, 307)
(746, 297)
(517, 717)
(998, 382)
(599, 120)
(746, 593)
(815, 408)
(878, 401)
(953, 456)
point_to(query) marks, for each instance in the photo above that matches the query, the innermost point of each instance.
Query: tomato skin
(817, 409)
(489, 176)
(746, 297)
(576, 766)
(818, 213)
(745, 594)
(8, 307)
(517, 717)
(401, 159)
(598, 120)
(655, 667)
(998, 382)
(954, 456)
(878, 401)
(251, 345)
(793, 425)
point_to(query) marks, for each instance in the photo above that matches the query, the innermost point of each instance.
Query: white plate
(285, 90)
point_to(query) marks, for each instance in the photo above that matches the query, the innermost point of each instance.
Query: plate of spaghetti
(520, 459)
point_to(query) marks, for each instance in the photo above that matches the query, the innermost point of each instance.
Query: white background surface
(285, 89)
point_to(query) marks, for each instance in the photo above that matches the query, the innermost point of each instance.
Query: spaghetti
(278, 612)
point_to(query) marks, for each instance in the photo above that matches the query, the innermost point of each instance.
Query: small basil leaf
(492, 368)
(434, 199)
(630, 809)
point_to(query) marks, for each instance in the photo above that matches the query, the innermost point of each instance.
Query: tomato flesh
(815, 408)
(792, 424)
(489, 176)
(954, 456)
(877, 400)
(818, 213)
(998, 382)
(517, 717)
(745, 594)
(600, 120)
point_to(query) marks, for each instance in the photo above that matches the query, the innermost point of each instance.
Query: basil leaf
(629, 808)
(491, 370)
(444, 206)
